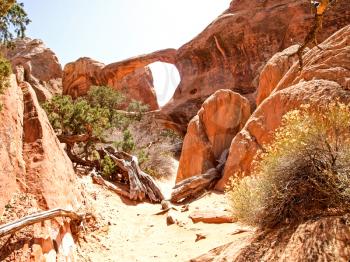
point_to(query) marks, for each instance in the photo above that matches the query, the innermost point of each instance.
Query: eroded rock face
(48, 168)
(232, 50)
(34, 166)
(12, 164)
(324, 78)
(39, 64)
(131, 76)
(274, 71)
(210, 132)
(322, 239)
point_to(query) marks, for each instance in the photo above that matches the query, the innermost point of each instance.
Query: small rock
(212, 217)
(185, 208)
(200, 237)
(170, 220)
(165, 204)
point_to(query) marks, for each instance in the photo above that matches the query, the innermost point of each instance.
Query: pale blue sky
(112, 30)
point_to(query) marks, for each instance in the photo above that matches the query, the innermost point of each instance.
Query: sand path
(132, 232)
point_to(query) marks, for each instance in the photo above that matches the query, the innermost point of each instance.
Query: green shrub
(76, 117)
(104, 96)
(142, 156)
(169, 133)
(13, 21)
(83, 117)
(127, 144)
(138, 107)
(5, 71)
(303, 173)
(108, 168)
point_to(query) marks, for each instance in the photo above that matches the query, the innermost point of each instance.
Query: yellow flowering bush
(303, 173)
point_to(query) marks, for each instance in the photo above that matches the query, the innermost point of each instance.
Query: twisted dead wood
(15, 226)
(141, 185)
(192, 186)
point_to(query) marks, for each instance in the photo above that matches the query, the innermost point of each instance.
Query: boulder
(233, 49)
(210, 133)
(324, 78)
(131, 76)
(38, 65)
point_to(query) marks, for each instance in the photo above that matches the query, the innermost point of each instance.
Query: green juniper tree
(13, 23)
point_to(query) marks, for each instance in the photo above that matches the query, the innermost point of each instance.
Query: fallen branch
(192, 186)
(15, 226)
(102, 182)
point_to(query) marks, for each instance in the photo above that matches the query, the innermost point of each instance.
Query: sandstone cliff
(324, 78)
(39, 66)
(232, 50)
(35, 172)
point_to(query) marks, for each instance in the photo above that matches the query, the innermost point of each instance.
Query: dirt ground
(131, 232)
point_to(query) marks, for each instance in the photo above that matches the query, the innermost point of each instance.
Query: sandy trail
(131, 232)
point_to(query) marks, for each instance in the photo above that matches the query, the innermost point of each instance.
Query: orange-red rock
(34, 164)
(274, 70)
(321, 239)
(232, 50)
(324, 78)
(131, 76)
(211, 132)
(12, 164)
(39, 64)
(212, 217)
(49, 172)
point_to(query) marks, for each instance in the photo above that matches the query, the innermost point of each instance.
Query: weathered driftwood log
(192, 186)
(117, 189)
(15, 226)
(141, 185)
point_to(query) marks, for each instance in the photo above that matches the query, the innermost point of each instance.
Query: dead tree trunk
(117, 189)
(141, 185)
(13, 227)
(192, 186)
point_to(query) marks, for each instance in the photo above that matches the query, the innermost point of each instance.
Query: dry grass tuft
(304, 173)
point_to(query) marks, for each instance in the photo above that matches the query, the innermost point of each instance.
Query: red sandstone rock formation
(274, 71)
(321, 239)
(232, 50)
(324, 78)
(210, 133)
(131, 76)
(39, 65)
(34, 165)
